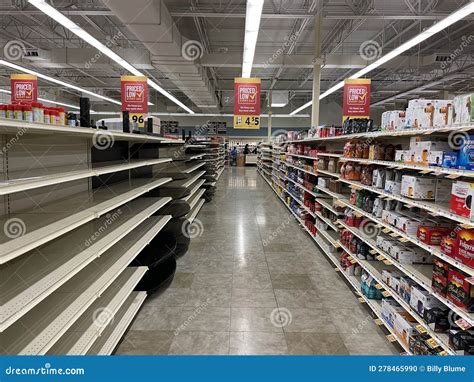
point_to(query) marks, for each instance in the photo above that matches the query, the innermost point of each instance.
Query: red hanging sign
(356, 98)
(134, 94)
(24, 88)
(247, 103)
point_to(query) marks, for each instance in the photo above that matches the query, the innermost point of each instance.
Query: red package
(460, 290)
(431, 235)
(439, 281)
(465, 247)
(448, 245)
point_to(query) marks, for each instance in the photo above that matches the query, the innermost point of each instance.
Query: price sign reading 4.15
(247, 103)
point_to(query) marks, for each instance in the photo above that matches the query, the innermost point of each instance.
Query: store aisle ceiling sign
(247, 103)
(135, 98)
(24, 88)
(356, 98)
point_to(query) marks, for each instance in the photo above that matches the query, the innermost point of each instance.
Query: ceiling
(151, 35)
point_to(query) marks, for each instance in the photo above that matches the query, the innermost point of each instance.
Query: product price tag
(386, 230)
(336, 244)
(466, 128)
(378, 286)
(403, 239)
(380, 257)
(425, 172)
(352, 261)
(386, 293)
(463, 324)
(361, 300)
(358, 214)
(337, 269)
(387, 262)
(394, 234)
(444, 352)
(420, 328)
(427, 132)
(378, 322)
(373, 251)
(453, 176)
(466, 226)
(432, 343)
(391, 338)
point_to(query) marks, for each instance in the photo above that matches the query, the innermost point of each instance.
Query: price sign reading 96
(247, 103)
(135, 98)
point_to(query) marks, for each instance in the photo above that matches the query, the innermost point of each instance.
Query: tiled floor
(253, 283)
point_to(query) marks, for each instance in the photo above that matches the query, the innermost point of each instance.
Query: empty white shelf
(28, 280)
(194, 190)
(112, 334)
(193, 168)
(189, 182)
(57, 218)
(48, 321)
(194, 212)
(195, 199)
(80, 337)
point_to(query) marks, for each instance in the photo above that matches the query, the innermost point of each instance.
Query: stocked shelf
(112, 334)
(87, 329)
(34, 276)
(301, 156)
(388, 134)
(57, 218)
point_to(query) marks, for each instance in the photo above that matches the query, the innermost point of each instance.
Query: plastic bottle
(3, 111)
(18, 112)
(71, 119)
(46, 116)
(28, 113)
(52, 115)
(37, 112)
(62, 116)
(10, 112)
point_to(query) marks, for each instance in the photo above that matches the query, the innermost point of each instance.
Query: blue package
(466, 154)
(450, 159)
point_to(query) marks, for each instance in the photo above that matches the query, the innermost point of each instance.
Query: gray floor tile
(254, 320)
(253, 298)
(298, 298)
(204, 318)
(145, 342)
(308, 320)
(257, 343)
(154, 317)
(203, 343)
(291, 281)
(212, 296)
(212, 279)
(315, 344)
(169, 297)
(182, 280)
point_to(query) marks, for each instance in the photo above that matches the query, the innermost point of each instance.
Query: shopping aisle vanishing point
(253, 282)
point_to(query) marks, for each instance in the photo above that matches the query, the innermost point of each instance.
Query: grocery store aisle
(253, 283)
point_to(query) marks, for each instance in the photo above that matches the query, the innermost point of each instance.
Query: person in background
(246, 149)
(233, 156)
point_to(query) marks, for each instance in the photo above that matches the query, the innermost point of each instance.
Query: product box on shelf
(390, 217)
(443, 190)
(462, 341)
(432, 235)
(417, 187)
(405, 288)
(461, 198)
(435, 158)
(441, 112)
(389, 310)
(465, 247)
(393, 187)
(460, 290)
(466, 153)
(463, 111)
(437, 318)
(450, 159)
(423, 150)
(439, 282)
(389, 275)
(421, 300)
(402, 155)
(408, 225)
(404, 327)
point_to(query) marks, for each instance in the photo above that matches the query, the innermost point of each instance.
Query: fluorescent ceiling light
(427, 33)
(56, 81)
(277, 104)
(252, 26)
(78, 31)
(47, 100)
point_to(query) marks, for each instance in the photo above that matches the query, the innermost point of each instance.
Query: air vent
(442, 57)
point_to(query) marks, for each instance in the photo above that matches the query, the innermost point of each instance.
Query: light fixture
(427, 33)
(56, 81)
(279, 98)
(47, 100)
(252, 26)
(78, 31)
